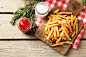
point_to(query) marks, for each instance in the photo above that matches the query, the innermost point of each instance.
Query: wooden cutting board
(40, 32)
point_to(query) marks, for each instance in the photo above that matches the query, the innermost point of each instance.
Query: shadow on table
(31, 34)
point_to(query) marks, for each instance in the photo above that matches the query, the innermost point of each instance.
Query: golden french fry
(54, 33)
(62, 43)
(64, 13)
(76, 22)
(60, 27)
(73, 33)
(53, 25)
(50, 34)
(48, 30)
(60, 37)
(69, 24)
(71, 20)
(76, 27)
(74, 18)
(56, 11)
(53, 22)
(64, 21)
(46, 36)
(57, 44)
(61, 16)
(65, 32)
(67, 42)
(64, 38)
(57, 31)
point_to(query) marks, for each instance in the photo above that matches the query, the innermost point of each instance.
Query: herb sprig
(27, 11)
(84, 2)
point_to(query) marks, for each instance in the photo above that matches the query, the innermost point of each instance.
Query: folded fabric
(82, 17)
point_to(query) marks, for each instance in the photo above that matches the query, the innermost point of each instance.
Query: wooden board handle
(74, 6)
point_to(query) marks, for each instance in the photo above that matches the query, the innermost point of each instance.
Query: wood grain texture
(7, 31)
(12, 5)
(36, 49)
(40, 32)
(27, 48)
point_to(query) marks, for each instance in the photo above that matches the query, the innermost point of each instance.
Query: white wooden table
(13, 43)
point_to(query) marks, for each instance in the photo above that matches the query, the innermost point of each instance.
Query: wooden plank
(11, 5)
(36, 49)
(7, 31)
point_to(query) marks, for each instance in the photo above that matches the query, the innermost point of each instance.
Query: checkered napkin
(82, 17)
(63, 4)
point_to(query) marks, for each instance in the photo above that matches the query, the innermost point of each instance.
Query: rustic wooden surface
(36, 49)
(13, 43)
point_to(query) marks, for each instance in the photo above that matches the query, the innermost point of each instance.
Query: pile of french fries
(61, 27)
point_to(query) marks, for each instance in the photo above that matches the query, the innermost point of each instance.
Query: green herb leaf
(84, 2)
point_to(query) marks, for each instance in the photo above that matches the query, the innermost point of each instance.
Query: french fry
(64, 38)
(76, 22)
(64, 13)
(53, 25)
(71, 20)
(48, 30)
(62, 21)
(57, 44)
(50, 34)
(61, 43)
(73, 33)
(67, 42)
(60, 37)
(74, 18)
(65, 32)
(60, 27)
(56, 11)
(54, 33)
(57, 31)
(61, 16)
(53, 22)
(77, 27)
(45, 35)
(69, 24)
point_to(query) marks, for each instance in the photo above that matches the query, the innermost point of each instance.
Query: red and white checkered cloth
(63, 4)
(82, 17)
